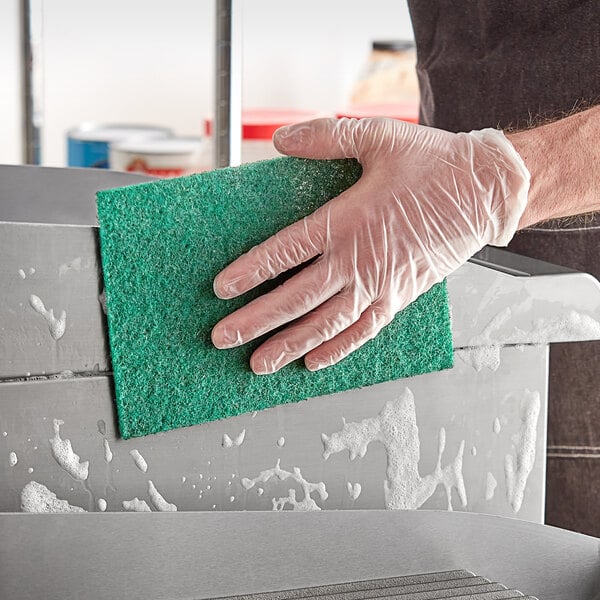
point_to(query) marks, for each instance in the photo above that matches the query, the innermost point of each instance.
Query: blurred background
(151, 62)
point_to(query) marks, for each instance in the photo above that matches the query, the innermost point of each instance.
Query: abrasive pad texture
(162, 244)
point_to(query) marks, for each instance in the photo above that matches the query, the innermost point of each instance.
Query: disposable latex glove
(426, 202)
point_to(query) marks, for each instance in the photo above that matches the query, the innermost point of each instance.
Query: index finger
(288, 248)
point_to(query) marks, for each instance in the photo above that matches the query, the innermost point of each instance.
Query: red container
(259, 125)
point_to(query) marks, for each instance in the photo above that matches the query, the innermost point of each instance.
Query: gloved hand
(426, 202)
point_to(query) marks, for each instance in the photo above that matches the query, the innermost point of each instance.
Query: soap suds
(56, 326)
(237, 441)
(159, 502)
(74, 265)
(136, 505)
(281, 442)
(396, 428)
(307, 503)
(65, 457)
(517, 474)
(497, 426)
(483, 350)
(37, 498)
(12, 459)
(139, 460)
(101, 504)
(108, 455)
(354, 490)
(490, 486)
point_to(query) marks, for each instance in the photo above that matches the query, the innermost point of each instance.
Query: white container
(88, 144)
(168, 157)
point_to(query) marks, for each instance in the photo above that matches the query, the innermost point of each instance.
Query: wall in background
(150, 61)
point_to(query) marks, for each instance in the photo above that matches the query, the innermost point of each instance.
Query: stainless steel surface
(31, 74)
(56, 196)
(477, 418)
(228, 91)
(194, 470)
(206, 555)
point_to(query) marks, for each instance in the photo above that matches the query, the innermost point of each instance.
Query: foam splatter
(237, 441)
(396, 428)
(139, 460)
(517, 469)
(64, 455)
(306, 504)
(37, 498)
(136, 505)
(490, 486)
(56, 326)
(483, 350)
(354, 490)
(158, 501)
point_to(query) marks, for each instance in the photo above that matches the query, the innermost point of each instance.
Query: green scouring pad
(162, 245)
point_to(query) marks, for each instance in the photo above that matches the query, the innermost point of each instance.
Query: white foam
(281, 442)
(159, 502)
(490, 486)
(497, 426)
(517, 469)
(56, 326)
(101, 504)
(139, 460)
(37, 498)
(183, 479)
(12, 459)
(231, 498)
(136, 505)
(473, 450)
(354, 490)
(31, 270)
(65, 457)
(30, 470)
(22, 274)
(74, 265)
(307, 503)
(108, 455)
(396, 428)
(483, 350)
(237, 441)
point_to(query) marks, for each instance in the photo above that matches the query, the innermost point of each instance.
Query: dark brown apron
(499, 63)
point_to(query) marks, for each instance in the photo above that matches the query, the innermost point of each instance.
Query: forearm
(563, 158)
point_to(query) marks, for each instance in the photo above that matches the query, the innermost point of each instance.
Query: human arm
(563, 158)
